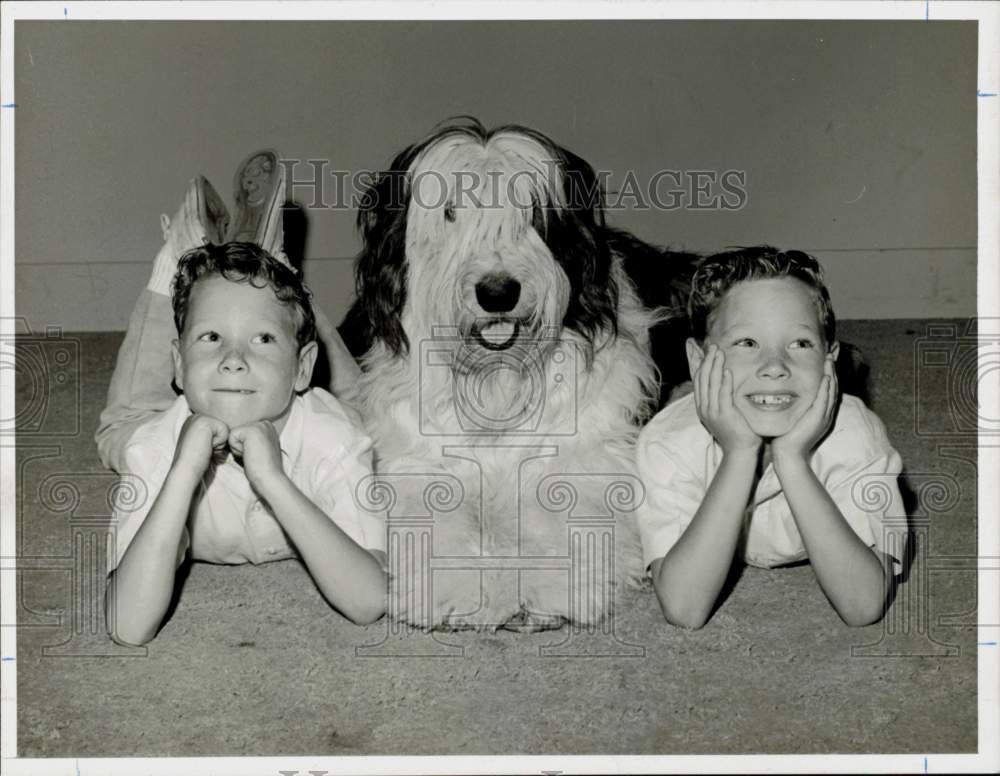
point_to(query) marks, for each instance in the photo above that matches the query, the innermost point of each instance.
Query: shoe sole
(212, 211)
(259, 193)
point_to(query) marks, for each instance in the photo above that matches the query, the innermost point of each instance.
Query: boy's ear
(835, 350)
(695, 355)
(307, 360)
(175, 351)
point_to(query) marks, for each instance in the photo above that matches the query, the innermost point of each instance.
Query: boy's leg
(344, 370)
(141, 384)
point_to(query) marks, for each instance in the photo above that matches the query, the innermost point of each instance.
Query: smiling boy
(764, 459)
(247, 465)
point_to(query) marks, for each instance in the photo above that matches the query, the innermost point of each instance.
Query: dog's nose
(498, 293)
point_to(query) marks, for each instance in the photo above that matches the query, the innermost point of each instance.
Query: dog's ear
(662, 279)
(586, 259)
(380, 271)
(576, 235)
(356, 330)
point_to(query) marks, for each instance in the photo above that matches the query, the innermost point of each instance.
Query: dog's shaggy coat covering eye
(506, 369)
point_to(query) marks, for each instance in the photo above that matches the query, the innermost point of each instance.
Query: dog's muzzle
(497, 294)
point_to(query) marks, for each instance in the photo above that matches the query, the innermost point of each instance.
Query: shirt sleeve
(868, 497)
(142, 476)
(335, 491)
(674, 491)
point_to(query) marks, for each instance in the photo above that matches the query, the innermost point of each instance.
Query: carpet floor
(253, 661)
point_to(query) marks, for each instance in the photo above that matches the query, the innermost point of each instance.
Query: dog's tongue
(498, 334)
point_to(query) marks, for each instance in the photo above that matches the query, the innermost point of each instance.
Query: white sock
(164, 268)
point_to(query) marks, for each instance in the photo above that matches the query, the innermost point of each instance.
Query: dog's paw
(531, 622)
(430, 600)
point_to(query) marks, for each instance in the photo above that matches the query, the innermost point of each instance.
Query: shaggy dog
(506, 368)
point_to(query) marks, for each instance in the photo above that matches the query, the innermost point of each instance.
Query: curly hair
(715, 275)
(242, 262)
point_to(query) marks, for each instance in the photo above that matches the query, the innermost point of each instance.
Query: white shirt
(324, 453)
(677, 459)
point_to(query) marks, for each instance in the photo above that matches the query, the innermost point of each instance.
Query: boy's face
(238, 359)
(772, 338)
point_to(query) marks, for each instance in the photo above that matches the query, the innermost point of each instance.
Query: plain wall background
(858, 139)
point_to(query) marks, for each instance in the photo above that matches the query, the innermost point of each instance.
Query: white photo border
(987, 14)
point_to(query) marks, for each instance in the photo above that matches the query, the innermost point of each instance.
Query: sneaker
(259, 190)
(201, 218)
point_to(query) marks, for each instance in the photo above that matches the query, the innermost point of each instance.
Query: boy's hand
(713, 398)
(812, 425)
(201, 437)
(257, 444)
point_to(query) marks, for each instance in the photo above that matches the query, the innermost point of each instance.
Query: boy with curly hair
(764, 459)
(248, 464)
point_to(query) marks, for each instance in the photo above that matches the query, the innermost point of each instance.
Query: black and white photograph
(480, 388)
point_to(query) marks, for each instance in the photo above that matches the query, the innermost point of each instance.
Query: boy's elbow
(127, 638)
(366, 614)
(687, 620)
(858, 621)
(366, 609)
(120, 630)
(866, 610)
(681, 616)
(862, 616)
(369, 618)
(870, 605)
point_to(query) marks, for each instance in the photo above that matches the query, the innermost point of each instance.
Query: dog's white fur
(553, 405)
